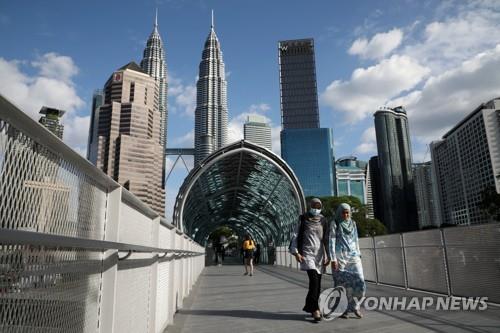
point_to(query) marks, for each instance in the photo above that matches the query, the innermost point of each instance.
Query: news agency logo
(439, 303)
(333, 303)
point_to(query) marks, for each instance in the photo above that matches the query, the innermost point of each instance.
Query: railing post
(375, 258)
(446, 265)
(110, 261)
(405, 272)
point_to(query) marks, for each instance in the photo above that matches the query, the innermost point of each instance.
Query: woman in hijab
(346, 258)
(309, 245)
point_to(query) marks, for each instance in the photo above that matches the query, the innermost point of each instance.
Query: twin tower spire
(211, 113)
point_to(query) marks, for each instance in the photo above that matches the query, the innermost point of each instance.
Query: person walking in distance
(309, 245)
(248, 248)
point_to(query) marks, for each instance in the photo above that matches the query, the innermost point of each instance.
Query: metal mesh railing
(78, 253)
(456, 261)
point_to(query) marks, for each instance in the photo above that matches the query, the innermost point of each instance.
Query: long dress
(344, 247)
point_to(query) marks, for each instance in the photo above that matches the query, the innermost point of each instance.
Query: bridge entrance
(244, 187)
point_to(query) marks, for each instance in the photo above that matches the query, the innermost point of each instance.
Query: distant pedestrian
(248, 248)
(257, 254)
(309, 245)
(347, 270)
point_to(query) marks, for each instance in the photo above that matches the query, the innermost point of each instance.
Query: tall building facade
(306, 147)
(350, 178)
(427, 209)
(465, 162)
(128, 134)
(50, 120)
(370, 211)
(373, 198)
(309, 152)
(211, 114)
(257, 130)
(154, 63)
(298, 90)
(97, 102)
(395, 166)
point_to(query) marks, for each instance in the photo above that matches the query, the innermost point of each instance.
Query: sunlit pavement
(224, 300)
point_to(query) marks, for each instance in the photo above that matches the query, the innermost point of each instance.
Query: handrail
(22, 237)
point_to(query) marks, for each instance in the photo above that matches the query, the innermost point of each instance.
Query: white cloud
(368, 143)
(448, 42)
(55, 66)
(448, 97)
(51, 86)
(256, 108)
(76, 131)
(182, 97)
(369, 88)
(185, 141)
(379, 46)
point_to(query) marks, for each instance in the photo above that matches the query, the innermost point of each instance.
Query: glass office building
(309, 152)
(399, 211)
(298, 91)
(350, 176)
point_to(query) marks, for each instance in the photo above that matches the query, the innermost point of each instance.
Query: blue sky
(438, 58)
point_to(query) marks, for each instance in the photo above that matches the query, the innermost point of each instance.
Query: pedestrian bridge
(79, 253)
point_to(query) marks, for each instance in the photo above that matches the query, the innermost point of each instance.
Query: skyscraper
(97, 101)
(128, 134)
(298, 91)
(302, 140)
(427, 209)
(210, 124)
(466, 162)
(395, 166)
(309, 152)
(374, 200)
(154, 63)
(51, 120)
(350, 178)
(257, 131)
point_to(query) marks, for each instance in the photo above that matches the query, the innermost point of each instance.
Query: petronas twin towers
(211, 114)
(210, 124)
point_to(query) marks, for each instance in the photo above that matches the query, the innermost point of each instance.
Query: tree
(490, 202)
(366, 227)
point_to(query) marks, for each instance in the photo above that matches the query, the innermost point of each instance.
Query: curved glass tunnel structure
(242, 186)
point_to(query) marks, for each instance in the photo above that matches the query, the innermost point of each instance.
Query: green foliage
(366, 227)
(490, 202)
(221, 231)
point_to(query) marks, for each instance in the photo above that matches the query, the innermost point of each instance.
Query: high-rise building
(427, 209)
(298, 91)
(97, 102)
(374, 199)
(350, 178)
(51, 120)
(395, 166)
(128, 134)
(466, 162)
(210, 124)
(370, 211)
(154, 63)
(257, 130)
(309, 152)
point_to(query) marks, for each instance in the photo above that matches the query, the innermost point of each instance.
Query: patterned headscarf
(346, 225)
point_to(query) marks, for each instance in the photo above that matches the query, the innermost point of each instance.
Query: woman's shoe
(316, 315)
(358, 314)
(344, 315)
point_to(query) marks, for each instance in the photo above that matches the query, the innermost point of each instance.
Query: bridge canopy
(242, 186)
